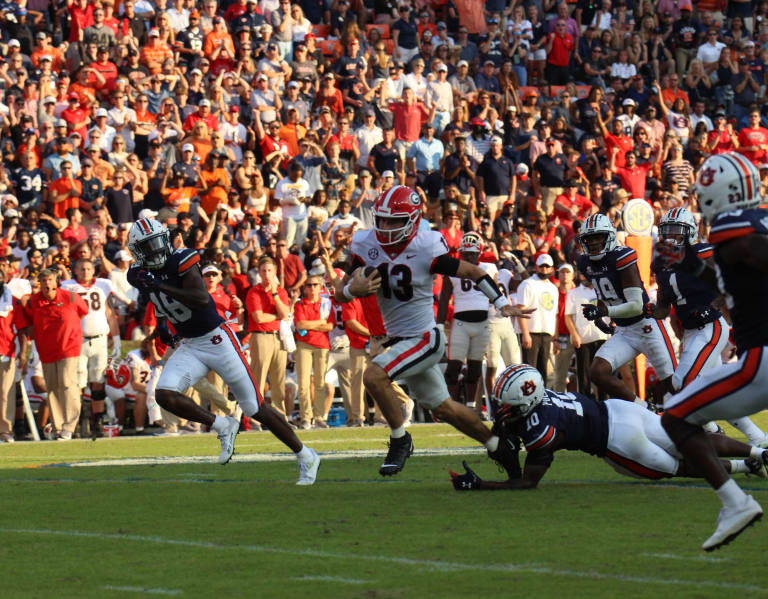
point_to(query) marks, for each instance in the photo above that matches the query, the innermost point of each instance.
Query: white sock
(219, 423)
(749, 428)
(738, 466)
(756, 452)
(641, 402)
(398, 433)
(304, 454)
(492, 444)
(731, 494)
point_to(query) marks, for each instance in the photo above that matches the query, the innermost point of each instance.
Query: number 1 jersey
(405, 296)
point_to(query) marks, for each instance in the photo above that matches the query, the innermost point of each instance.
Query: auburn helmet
(149, 243)
(678, 222)
(519, 389)
(397, 214)
(595, 225)
(726, 182)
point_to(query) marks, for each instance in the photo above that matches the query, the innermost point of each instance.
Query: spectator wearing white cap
(537, 333)
(107, 132)
(203, 113)
(629, 118)
(440, 94)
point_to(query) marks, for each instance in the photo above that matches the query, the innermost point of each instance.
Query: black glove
(143, 280)
(469, 481)
(591, 311)
(165, 335)
(606, 327)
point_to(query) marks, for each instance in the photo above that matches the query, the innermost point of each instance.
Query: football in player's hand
(369, 270)
(365, 281)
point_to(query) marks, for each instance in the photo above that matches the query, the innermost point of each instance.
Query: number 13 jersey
(405, 296)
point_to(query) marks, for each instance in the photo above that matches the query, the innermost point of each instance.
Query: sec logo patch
(373, 253)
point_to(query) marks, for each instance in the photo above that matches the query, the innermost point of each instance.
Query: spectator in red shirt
(623, 143)
(570, 205)
(632, 176)
(290, 269)
(77, 118)
(267, 304)
(722, 138)
(753, 140)
(356, 327)
(409, 116)
(81, 13)
(559, 47)
(313, 319)
(74, 232)
(452, 232)
(203, 114)
(12, 321)
(54, 316)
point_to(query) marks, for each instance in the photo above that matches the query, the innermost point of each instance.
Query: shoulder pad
(703, 250)
(737, 223)
(624, 257)
(183, 260)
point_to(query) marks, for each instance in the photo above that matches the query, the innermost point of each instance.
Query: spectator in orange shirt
(64, 192)
(670, 92)
(44, 48)
(155, 52)
(218, 46)
(178, 196)
(217, 181)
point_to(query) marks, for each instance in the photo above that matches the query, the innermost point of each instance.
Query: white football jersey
(137, 364)
(503, 279)
(95, 295)
(466, 296)
(405, 296)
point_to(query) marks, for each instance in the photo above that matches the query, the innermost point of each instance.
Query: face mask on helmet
(152, 252)
(392, 230)
(675, 234)
(594, 244)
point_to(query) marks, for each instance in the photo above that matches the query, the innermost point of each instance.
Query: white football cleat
(732, 522)
(308, 469)
(227, 438)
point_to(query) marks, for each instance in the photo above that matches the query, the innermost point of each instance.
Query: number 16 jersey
(405, 296)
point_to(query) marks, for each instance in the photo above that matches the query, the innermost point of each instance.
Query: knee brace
(474, 370)
(98, 395)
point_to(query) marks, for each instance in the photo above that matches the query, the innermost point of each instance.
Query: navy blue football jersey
(745, 288)
(188, 322)
(582, 420)
(605, 275)
(691, 297)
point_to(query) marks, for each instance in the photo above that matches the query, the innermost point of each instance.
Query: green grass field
(185, 527)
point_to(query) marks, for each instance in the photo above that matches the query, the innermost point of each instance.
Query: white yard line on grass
(143, 590)
(331, 579)
(687, 558)
(422, 564)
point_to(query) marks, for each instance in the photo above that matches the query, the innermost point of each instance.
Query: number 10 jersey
(405, 296)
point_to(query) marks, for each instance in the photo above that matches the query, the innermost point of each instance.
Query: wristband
(347, 293)
(500, 302)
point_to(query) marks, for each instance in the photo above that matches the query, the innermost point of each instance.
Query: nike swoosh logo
(411, 256)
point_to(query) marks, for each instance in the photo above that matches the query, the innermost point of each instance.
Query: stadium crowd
(262, 132)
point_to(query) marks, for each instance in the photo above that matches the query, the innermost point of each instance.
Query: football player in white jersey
(127, 382)
(97, 325)
(469, 331)
(401, 261)
(502, 340)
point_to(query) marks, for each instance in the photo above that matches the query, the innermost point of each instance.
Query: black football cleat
(399, 451)
(506, 457)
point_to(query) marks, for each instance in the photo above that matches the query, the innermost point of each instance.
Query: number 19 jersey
(405, 296)
(605, 276)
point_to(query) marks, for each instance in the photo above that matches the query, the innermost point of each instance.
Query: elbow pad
(632, 307)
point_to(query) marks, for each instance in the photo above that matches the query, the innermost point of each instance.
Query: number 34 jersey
(605, 276)
(95, 295)
(405, 297)
(188, 322)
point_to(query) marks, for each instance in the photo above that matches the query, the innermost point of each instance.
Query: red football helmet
(471, 242)
(399, 206)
